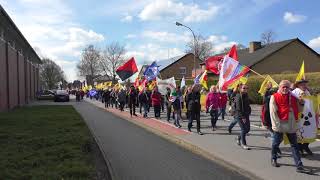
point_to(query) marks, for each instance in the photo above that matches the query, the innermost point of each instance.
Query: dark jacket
(106, 95)
(143, 98)
(193, 101)
(265, 114)
(122, 96)
(132, 96)
(242, 105)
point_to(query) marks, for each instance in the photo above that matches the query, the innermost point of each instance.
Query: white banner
(307, 127)
(163, 84)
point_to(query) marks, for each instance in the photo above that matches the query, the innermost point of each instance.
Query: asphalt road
(135, 153)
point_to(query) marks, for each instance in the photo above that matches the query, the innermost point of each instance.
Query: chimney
(254, 45)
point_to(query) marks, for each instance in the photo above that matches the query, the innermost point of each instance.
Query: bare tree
(268, 37)
(202, 48)
(51, 74)
(113, 57)
(239, 46)
(89, 65)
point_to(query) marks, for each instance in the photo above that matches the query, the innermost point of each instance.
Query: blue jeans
(292, 137)
(245, 128)
(222, 112)
(145, 109)
(233, 123)
(177, 117)
(214, 117)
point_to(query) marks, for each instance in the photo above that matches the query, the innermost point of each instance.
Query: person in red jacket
(223, 100)
(156, 102)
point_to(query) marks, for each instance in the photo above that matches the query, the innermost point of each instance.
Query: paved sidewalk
(219, 144)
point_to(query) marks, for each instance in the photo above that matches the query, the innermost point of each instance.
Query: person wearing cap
(284, 109)
(300, 91)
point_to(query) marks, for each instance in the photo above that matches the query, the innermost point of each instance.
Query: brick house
(279, 57)
(19, 66)
(176, 67)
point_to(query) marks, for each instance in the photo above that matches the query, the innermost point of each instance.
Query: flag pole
(257, 73)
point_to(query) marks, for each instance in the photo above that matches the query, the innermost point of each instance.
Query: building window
(183, 70)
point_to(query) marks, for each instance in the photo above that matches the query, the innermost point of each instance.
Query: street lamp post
(194, 46)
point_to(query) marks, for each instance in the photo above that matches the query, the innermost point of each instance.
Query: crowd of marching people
(279, 115)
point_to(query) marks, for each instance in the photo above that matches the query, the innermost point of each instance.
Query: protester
(284, 110)
(232, 96)
(132, 98)
(223, 100)
(168, 104)
(194, 107)
(188, 91)
(300, 91)
(106, 96)
(144, 102)
(265, 112)
(176, 104)
(122, 98)
(156, 102)
(242, 113)
(212, 105)
(179, 95)
(81, 94)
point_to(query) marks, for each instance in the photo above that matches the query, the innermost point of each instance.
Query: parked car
(45, 95)
(61, 95)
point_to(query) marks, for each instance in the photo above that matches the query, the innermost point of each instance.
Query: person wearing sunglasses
(284, 110)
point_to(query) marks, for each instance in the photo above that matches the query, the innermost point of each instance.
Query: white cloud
(130, 36)
(220, 43)
(151, 52)
(315, 43)
(51, 29)
(164, 36)
(127, 18)
(291, 18)
(170, 9)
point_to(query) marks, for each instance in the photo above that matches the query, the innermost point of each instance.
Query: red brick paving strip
(151, 122)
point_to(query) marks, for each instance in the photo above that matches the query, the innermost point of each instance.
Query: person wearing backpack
(242, 113)
(265, 112)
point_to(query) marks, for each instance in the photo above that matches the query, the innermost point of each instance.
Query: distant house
(279, 57)
(104, 78)
(177, 67)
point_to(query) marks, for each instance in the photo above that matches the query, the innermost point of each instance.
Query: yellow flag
(204, 79)
(264, 84)
(108, 84)
(242, 80)
(301, 73)
(152, 85)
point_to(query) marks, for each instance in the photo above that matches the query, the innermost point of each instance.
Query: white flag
(164, 84)
(183, 82)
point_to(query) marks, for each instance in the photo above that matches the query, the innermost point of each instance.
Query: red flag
(213, 63)
(233, 53)
(128, 69)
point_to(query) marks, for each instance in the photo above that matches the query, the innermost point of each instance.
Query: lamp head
(178, 24)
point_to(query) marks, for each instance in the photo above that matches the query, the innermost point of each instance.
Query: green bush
(254, 83)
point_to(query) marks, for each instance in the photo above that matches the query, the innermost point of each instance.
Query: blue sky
(60, 29)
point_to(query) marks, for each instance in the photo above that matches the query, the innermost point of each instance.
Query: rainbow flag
(231, 70)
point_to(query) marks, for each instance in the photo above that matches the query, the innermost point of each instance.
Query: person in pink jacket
(212, 105)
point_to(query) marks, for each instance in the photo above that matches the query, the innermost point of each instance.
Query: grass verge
(45, 142)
